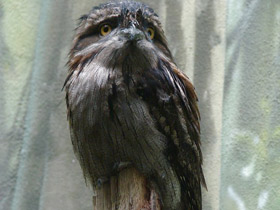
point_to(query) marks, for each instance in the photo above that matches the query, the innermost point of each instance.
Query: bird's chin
(129, 48)
(136, 48)
(133, 45)
(134, 53)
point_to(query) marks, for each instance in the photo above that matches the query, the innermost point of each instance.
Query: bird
(127, 102)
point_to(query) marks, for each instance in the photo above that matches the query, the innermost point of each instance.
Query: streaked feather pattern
(128, 102)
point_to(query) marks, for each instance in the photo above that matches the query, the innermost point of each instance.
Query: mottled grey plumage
(128, 102)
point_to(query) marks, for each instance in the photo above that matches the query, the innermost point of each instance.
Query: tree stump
(126, 191)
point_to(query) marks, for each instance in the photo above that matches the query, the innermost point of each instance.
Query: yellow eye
(105, 29)
(151, 32)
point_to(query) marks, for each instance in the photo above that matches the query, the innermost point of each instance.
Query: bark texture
(126, 191)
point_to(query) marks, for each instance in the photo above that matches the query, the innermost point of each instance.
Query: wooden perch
(126, 191)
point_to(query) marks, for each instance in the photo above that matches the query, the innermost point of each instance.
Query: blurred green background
(231, 51)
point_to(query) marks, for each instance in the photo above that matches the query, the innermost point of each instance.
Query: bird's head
(119, 32)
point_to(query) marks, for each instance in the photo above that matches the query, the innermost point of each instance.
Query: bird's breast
(109, 114)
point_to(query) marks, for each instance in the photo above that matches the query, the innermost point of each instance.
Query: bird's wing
(190, 111)
(173, 102)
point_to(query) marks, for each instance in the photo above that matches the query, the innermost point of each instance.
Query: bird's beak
(132, 33)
